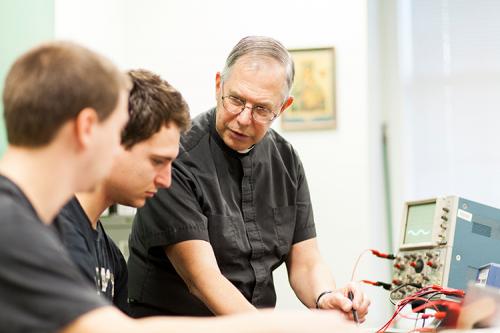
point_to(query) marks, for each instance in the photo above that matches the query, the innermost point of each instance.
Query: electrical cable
(420, 295)
(376, 253)
(357, 262)
(414, 285)
(386, 286)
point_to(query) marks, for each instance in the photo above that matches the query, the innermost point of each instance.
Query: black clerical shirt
(251, 208)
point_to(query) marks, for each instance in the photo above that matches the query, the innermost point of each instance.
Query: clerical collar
(246, 150)
(218, 139)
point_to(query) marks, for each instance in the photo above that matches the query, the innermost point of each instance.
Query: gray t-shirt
(41, 290)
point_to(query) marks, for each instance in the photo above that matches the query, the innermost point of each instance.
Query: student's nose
(164, 177)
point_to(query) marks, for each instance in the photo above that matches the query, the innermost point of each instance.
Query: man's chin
(133, 203)
(237, 145)
(138, 203)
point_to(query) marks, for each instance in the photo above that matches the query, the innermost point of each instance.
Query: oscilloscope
(444, 241)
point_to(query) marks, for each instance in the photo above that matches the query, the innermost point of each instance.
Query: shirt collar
(246, 151)
(221, 142)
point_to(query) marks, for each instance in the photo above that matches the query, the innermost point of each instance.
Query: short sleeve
(174, 214)
(304, 224)
(120, 298)
(40, 288)
(77, 246)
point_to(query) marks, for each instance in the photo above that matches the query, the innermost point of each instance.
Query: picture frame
(314, 91)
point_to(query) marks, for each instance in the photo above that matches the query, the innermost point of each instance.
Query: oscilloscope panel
(444, 241)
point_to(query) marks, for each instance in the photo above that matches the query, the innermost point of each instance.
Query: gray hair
(263, 47)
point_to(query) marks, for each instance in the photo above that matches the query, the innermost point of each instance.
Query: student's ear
(85, 124)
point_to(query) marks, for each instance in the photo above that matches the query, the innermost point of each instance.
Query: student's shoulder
(72, 219)
(13, 210)
(75, 231)
(20, 226)
(71, 208)
(13, 203)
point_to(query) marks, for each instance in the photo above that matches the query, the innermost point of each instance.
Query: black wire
(416, 286)
(431, 295)
(428, 294)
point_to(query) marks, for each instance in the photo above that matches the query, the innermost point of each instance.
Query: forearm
(218, 293)
(196, 264)
(265, 323)
(110, 320)
(310, 280)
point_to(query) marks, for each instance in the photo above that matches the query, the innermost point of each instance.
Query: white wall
(440, 97)
(187, 42)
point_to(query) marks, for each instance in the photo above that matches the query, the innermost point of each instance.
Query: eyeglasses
(236, 105)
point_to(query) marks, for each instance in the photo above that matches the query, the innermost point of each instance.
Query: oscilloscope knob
(397, 282)
(432, 264)
(418, 265)
(399, 266)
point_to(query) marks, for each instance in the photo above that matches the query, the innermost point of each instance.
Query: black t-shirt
(41, 290)
(95, 254)
(251, 208)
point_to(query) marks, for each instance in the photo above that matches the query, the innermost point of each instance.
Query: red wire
(423, 329)
(419, 296)
(380, 254)
(410, 298)
(374, 252)
(373, 283)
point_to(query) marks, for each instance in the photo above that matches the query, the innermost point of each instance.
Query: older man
(238, 206)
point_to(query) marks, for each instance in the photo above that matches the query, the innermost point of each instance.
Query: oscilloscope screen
(419, 223)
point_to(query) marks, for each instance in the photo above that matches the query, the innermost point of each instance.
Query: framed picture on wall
(314, 105)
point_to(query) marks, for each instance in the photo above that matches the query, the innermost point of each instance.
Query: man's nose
(245, 116)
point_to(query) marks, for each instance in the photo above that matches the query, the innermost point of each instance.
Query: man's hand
(338, 300)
